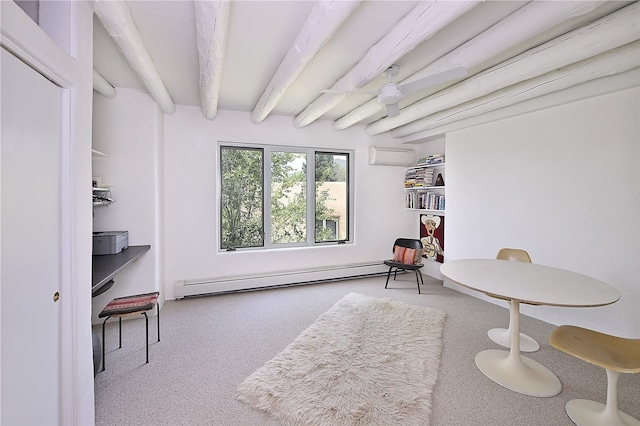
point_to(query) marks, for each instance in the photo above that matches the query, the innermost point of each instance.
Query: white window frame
(310, 153)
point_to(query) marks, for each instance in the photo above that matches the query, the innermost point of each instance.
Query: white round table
(537, 285)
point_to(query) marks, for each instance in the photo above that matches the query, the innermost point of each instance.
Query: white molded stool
(616, 355)
(502, 336)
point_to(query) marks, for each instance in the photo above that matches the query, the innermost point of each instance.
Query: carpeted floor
(209, 345)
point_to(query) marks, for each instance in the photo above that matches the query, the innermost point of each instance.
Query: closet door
(30, 249)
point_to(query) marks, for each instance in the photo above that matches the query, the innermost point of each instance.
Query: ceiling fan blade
(393, 110)
(433, 80)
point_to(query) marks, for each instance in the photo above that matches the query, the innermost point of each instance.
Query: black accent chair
(413, 264)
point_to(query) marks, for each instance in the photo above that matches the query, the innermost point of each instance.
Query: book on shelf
(430, 160)
(418, 178)
(424, 200)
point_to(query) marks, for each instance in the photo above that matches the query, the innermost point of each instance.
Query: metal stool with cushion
(502, 336)
(615, 354)
(130, 305)
(407, 254)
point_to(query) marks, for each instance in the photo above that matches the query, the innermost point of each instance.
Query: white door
(30, 249)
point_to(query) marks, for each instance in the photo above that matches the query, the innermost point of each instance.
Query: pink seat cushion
(405, 255)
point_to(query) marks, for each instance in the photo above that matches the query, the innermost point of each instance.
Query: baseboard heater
(226, 284)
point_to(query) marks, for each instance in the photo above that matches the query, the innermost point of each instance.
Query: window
(241, 211)
(270, 194)
(331, 191)
(288, 197)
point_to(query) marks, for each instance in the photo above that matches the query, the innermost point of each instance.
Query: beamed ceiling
(311, 60)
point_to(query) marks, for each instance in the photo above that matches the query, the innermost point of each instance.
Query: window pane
(288, 197)
(241, 213)
(331, 197)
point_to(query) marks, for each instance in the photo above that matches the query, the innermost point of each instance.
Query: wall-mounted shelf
(102, 197)
(429, 211)
(98, 155)
(422, 192)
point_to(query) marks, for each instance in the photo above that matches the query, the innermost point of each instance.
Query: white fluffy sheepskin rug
(365, 361)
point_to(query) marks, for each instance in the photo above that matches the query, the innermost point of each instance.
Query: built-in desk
(106, 266)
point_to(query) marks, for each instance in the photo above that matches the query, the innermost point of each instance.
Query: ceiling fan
(391, 93)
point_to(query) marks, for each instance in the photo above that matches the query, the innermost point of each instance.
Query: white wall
(562, 183)
(191, 214)
(128, 128)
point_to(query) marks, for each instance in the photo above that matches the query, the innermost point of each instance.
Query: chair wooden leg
(417, 279)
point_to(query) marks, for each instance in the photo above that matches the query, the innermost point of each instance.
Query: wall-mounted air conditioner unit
(391, 156)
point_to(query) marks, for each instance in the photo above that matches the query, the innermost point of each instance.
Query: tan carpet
(365, 361)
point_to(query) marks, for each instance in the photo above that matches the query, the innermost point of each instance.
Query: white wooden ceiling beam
(212, 25)
(532, 19)
(321, 24)
(609, 32)
(615, 61)
(425, 20)
(117, 20)
(102, 86)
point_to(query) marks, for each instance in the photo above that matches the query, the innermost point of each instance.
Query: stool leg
(105, 321)
(611, 407)
(586, 412)
(146, 320)
(158, 314)
(120, 332)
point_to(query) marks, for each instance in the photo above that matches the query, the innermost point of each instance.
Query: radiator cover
(226, 284)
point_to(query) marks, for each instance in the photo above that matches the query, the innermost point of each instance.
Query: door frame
(61, 49)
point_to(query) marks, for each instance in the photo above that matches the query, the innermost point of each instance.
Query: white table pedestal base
(502, 336)
(537, 285)
(586, 413)
(518, 373)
